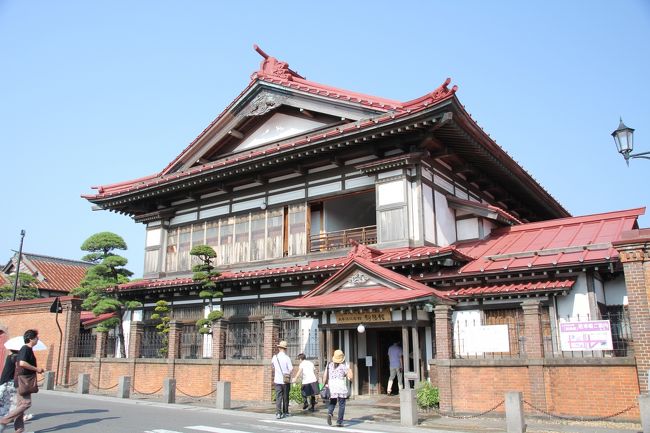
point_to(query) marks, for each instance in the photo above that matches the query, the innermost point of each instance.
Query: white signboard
(490, 338)
(579, 336)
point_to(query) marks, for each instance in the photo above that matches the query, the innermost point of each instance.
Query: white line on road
(213, 429)
(162, 431)
(324, 427)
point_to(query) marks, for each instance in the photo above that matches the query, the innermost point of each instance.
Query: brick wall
(17, 317)
(584, 387)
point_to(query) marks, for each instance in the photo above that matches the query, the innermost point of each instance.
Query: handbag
(286, 377)
(325, 391)
(27, 384)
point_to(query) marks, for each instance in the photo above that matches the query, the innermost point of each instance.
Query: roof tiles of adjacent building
(512, 288)
(54, 273)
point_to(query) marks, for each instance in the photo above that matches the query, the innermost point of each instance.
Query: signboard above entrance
(382, 315)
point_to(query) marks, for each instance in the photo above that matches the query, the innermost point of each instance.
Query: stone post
(515, 413)
(48, 380)
(223, 395)
(444, 354)
(169, 390)
(174, 340)
(124, 387)
(408, 407)
(135, 340)
(83, 384)
(634, 253)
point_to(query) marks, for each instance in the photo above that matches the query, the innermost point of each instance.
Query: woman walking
(309, 389)
(335, 378)
(7, 388)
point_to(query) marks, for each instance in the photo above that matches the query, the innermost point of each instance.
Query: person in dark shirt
(27, 362)
(7, 388)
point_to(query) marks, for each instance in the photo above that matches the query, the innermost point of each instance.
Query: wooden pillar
(416, 353)
(444, 354)
(634, 253)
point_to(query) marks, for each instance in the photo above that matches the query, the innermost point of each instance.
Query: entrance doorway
(386, 339)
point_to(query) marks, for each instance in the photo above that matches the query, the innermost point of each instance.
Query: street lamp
(624, 139)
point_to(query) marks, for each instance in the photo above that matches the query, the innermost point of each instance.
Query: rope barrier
(580, 418)
(135, 391)
(68, 385)
(195, 396)
(99, 387)
(449, 415)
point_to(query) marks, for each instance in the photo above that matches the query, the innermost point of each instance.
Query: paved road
(64, 412)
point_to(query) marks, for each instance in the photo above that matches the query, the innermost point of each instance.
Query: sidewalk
(384, 411)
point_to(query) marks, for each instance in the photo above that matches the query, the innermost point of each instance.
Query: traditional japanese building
(344, 220)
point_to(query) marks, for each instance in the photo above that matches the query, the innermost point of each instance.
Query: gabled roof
(51, 273)
(558, 242)
(361, 282)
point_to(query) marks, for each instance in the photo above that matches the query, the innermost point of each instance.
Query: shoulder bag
(325, 391)
(26, 383)
(286, 377)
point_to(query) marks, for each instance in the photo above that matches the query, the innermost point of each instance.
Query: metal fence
(111, 343)
(244, 340)
(191, 343)
(621, 337)
(299, 341)
(153, 344)
(86, 345)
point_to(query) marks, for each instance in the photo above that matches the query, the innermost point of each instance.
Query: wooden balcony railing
(341, 239)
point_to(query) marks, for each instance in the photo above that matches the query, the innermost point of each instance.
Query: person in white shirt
(396, 365)
(282, 380)
(307, 374)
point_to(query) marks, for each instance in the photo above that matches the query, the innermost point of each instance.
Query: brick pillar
(72, 314)
(100, 344)
(444, 354)
(534, 351)
(271, 340)
(634, 253)
(174, 340)
(135, 340)
(219, 329)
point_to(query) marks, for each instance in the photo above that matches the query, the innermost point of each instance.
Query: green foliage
(26, 288)
(427, 395)
(98, 288)
(205, 275)
(295, 393)
(162, 316)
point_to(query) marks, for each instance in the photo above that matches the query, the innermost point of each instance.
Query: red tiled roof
(406, 290)
(558, 242)
(358, 297)
(420, 253)
(511, 288)
(57, 274)
(278, 73)
(88, 317)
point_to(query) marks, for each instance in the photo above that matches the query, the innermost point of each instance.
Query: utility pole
(20, 254)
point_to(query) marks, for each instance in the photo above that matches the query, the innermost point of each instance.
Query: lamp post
(20, 254)
(624, 139)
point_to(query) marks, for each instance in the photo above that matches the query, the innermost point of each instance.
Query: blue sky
(104, 91)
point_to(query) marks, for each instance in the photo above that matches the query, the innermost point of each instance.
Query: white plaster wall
(600, 292)
(576, 303)
(488, 226)
(467, 228)
(445, 221)
(429, 214)
(615, 291)
(390, 193)
(278, 126)
(414, 211)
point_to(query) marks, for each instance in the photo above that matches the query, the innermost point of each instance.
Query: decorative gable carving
(263, 103)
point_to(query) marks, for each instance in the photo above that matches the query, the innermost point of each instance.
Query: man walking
(27, 363)
(396, 365)
(282, 380)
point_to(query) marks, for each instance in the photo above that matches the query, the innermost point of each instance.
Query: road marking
(162, 431)
(213, 429)
(319, 427)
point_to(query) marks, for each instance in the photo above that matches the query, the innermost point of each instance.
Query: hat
(338, 357)
(283, 344)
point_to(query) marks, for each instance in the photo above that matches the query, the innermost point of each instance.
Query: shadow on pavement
(70, 412)
(64, 427)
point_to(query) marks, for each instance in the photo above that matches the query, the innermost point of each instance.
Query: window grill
(244, 340)
(299, 341)
(86, 344)
(153, 344)
(622, 343)
(111, 342)
(191, 343)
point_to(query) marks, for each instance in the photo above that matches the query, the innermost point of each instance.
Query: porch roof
(513, 288)
(359, 297)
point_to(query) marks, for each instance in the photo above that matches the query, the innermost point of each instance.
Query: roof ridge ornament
(273, 67)
(363, 251)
